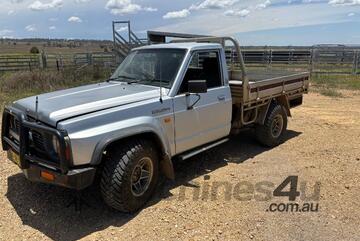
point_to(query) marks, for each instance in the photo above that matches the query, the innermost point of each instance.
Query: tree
(34, 50)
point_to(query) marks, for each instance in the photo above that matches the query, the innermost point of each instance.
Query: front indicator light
(47, 176)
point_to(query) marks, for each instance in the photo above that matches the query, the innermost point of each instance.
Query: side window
(203, 66)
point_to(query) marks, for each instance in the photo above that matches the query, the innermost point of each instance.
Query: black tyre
(272, 132)
(130, 175)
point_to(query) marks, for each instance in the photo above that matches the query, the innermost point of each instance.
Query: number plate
(14, 157)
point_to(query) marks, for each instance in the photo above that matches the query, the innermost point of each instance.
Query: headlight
(56, 144)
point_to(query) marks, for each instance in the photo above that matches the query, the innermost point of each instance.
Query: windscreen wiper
(122, 77)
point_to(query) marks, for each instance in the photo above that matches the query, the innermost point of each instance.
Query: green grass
(349, 82)
(330, 85)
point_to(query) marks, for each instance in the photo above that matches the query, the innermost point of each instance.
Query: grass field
(350, 82)
(331, 85)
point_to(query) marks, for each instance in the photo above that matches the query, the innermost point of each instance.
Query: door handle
(221, 97)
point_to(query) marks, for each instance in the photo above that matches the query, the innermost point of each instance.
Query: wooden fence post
(89, 58)
(61, 62)
(312, 60)
(355, 63)
(42, 60)
(57, 65)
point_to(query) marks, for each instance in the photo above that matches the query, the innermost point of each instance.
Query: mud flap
(167, 167)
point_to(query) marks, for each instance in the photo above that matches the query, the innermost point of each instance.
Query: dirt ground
(323, 145)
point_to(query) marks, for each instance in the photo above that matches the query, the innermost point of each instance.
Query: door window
(203, 66)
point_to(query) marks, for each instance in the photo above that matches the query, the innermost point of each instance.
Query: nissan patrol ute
(164, 102)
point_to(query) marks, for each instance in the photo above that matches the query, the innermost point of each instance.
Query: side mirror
(197, 86)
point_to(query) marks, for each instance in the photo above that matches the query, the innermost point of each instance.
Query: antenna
(161, 99)
(37, 108)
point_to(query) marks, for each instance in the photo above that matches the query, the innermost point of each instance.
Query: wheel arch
(284, 102)
(137, 132)
(281, 100)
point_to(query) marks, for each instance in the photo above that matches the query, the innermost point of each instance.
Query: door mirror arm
(190, 107)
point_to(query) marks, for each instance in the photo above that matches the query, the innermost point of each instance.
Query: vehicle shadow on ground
(43, 207)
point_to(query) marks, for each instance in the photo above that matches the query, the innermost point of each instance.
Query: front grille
(14, 124)
(38, 140)
(14, 128)
(32, 140)
(17, 125)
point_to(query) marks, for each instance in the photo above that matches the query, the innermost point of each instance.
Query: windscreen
(151, 67)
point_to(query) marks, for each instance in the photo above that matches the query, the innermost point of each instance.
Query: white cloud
(351, 14)
(39, 6)
(52, 28)
(177, 14)
(213, 4)
(121, 7)
(30, 28)
(238, 13)
(82, 1)
(149, 9)
(4, 32)
(11, 12)
(74, 19)
(258, 20)
(122, 29)
(7, 37)
(344, 2)
(263, 5)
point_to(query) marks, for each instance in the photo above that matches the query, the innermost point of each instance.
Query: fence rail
(55, 61)
(317, 60)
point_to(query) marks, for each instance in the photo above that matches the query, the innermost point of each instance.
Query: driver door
(210, 117)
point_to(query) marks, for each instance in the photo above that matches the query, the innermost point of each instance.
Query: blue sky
(256, 22)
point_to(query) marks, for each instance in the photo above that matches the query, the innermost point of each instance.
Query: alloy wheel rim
(141, 176)
(277, 126)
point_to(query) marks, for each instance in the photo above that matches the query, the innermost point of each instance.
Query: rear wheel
(130, 175)
(271, 133)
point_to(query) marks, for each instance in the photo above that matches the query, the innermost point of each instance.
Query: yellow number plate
(14, 157)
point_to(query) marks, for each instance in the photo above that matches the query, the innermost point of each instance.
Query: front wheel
(130, 175)
(271, 133)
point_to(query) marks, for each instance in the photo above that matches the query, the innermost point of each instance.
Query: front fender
(88, 144)
(128, 128)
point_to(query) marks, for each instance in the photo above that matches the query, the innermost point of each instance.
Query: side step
(192, 153)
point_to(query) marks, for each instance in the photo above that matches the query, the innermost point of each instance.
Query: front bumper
(75, 179)
(61, 170)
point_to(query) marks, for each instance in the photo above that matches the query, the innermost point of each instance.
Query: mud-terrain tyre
(272, 132)
(123, 184)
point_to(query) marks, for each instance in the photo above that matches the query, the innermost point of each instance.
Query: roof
(188, 46)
